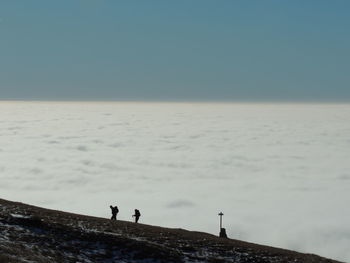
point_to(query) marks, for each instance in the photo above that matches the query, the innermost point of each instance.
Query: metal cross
(221, 214)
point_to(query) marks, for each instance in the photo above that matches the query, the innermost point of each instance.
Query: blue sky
(175, 50)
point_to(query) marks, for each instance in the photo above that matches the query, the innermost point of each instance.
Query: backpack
(137, 212)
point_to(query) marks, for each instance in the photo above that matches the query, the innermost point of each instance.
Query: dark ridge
(30, 233)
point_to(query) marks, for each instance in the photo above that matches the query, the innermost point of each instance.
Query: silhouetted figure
(137, 215)
(115, 211)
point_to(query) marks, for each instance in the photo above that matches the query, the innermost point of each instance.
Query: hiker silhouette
(136, 215)
(115, 211)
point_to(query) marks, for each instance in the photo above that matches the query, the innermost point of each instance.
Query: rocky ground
(33, 234)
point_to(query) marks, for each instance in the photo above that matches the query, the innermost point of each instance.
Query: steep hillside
(33, 234)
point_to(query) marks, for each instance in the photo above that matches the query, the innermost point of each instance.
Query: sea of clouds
(279, 172)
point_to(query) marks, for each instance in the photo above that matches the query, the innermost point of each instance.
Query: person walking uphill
(136, 215)
(115, 211)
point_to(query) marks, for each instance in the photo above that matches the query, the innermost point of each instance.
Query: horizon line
(178, 101)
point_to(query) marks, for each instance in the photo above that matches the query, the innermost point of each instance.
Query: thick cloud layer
(280, 173)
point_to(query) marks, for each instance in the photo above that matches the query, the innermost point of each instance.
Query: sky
(175, 50)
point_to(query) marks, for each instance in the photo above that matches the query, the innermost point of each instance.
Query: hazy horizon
(185, 101)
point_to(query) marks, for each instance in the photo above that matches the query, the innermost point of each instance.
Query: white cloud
(180, 204)
(280, 173)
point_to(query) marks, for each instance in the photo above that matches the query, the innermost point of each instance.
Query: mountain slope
(33, 234)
